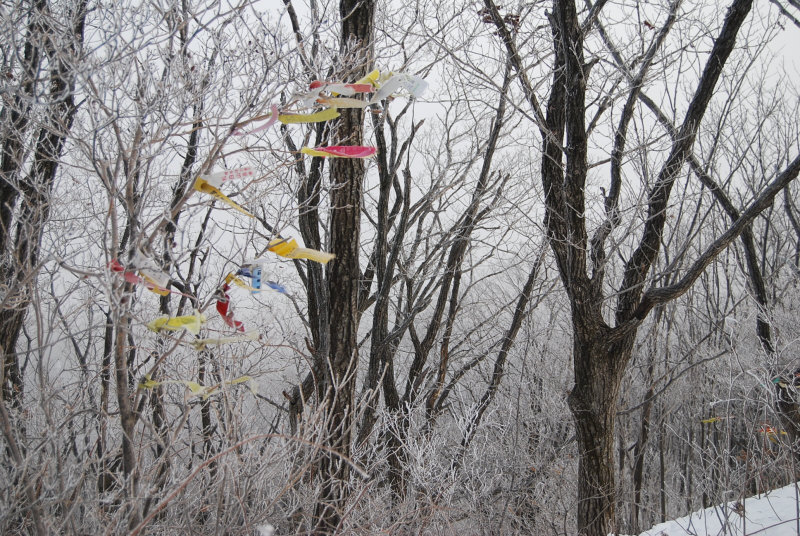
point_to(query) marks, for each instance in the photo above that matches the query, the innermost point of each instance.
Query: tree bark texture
(337, 390)
(21, 267)
(601, 352)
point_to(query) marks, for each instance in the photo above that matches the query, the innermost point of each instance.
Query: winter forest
(383, 267)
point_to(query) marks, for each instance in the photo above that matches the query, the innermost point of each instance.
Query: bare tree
(602, 350)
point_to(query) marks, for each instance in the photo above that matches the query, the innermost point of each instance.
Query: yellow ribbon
(231, 278)
(343, 102)
(313, 152)
(371, 78)
(201, 185)
(317, 117)
(198, 390)
(191, 323)
(290, 250)
(156, 288)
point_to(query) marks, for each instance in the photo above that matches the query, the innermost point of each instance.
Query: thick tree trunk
(337, 391)
(599, 368)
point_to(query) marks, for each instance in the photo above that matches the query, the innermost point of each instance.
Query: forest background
(565, 288)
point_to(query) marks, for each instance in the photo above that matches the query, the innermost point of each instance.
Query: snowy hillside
(776, 513)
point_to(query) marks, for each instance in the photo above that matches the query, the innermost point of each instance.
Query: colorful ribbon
(198, 390)
(290, 250)
(341, 88)
(317, 117)
(276, 287)
(201, 185)
(340, 151)
(342, 102)
(371, 79)
(226, 312)
(216, 179)
(150, 279)
(254, 273)
(232, 279)
(191, 323)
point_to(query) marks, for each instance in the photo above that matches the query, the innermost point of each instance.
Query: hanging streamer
(254, 273)
(340, 151)
(200, 344)
(201, 185)
(415, 85)
(226, 312)
(342, 102)
(317, 117)
(290, 250)
(711, 420)
(191, 323)
(272, 117)
(251, 268)
(232, 279)
(196, 389)
(153, 281)
(129, 276)
(216, 179)
(341, 88)
(276, 287)
(371, 79)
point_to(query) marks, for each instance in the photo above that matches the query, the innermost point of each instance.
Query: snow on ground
(775, 513)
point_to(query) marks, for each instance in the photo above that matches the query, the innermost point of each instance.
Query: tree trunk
(599, 368)
(337, 390)
(34, 211)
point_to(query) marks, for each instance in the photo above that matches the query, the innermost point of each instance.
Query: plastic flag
(371, 78)
(200, 344)
(340, 151)
(191, 323)
(317, 117)
(196, 389)
(153, 281)
(226, 312)
(342, 102)
(711, 420)
(216, 179)
(201, 185)
(290, 250)
(232, 279)
(411, 83)
(254, 273)
(276, 287)
(341, 88)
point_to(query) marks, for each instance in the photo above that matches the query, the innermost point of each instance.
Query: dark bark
(639, 450)
(600, 352)
(754, 271)
(15, 118)
(384, 261)
(336, 391)
(35, 186)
